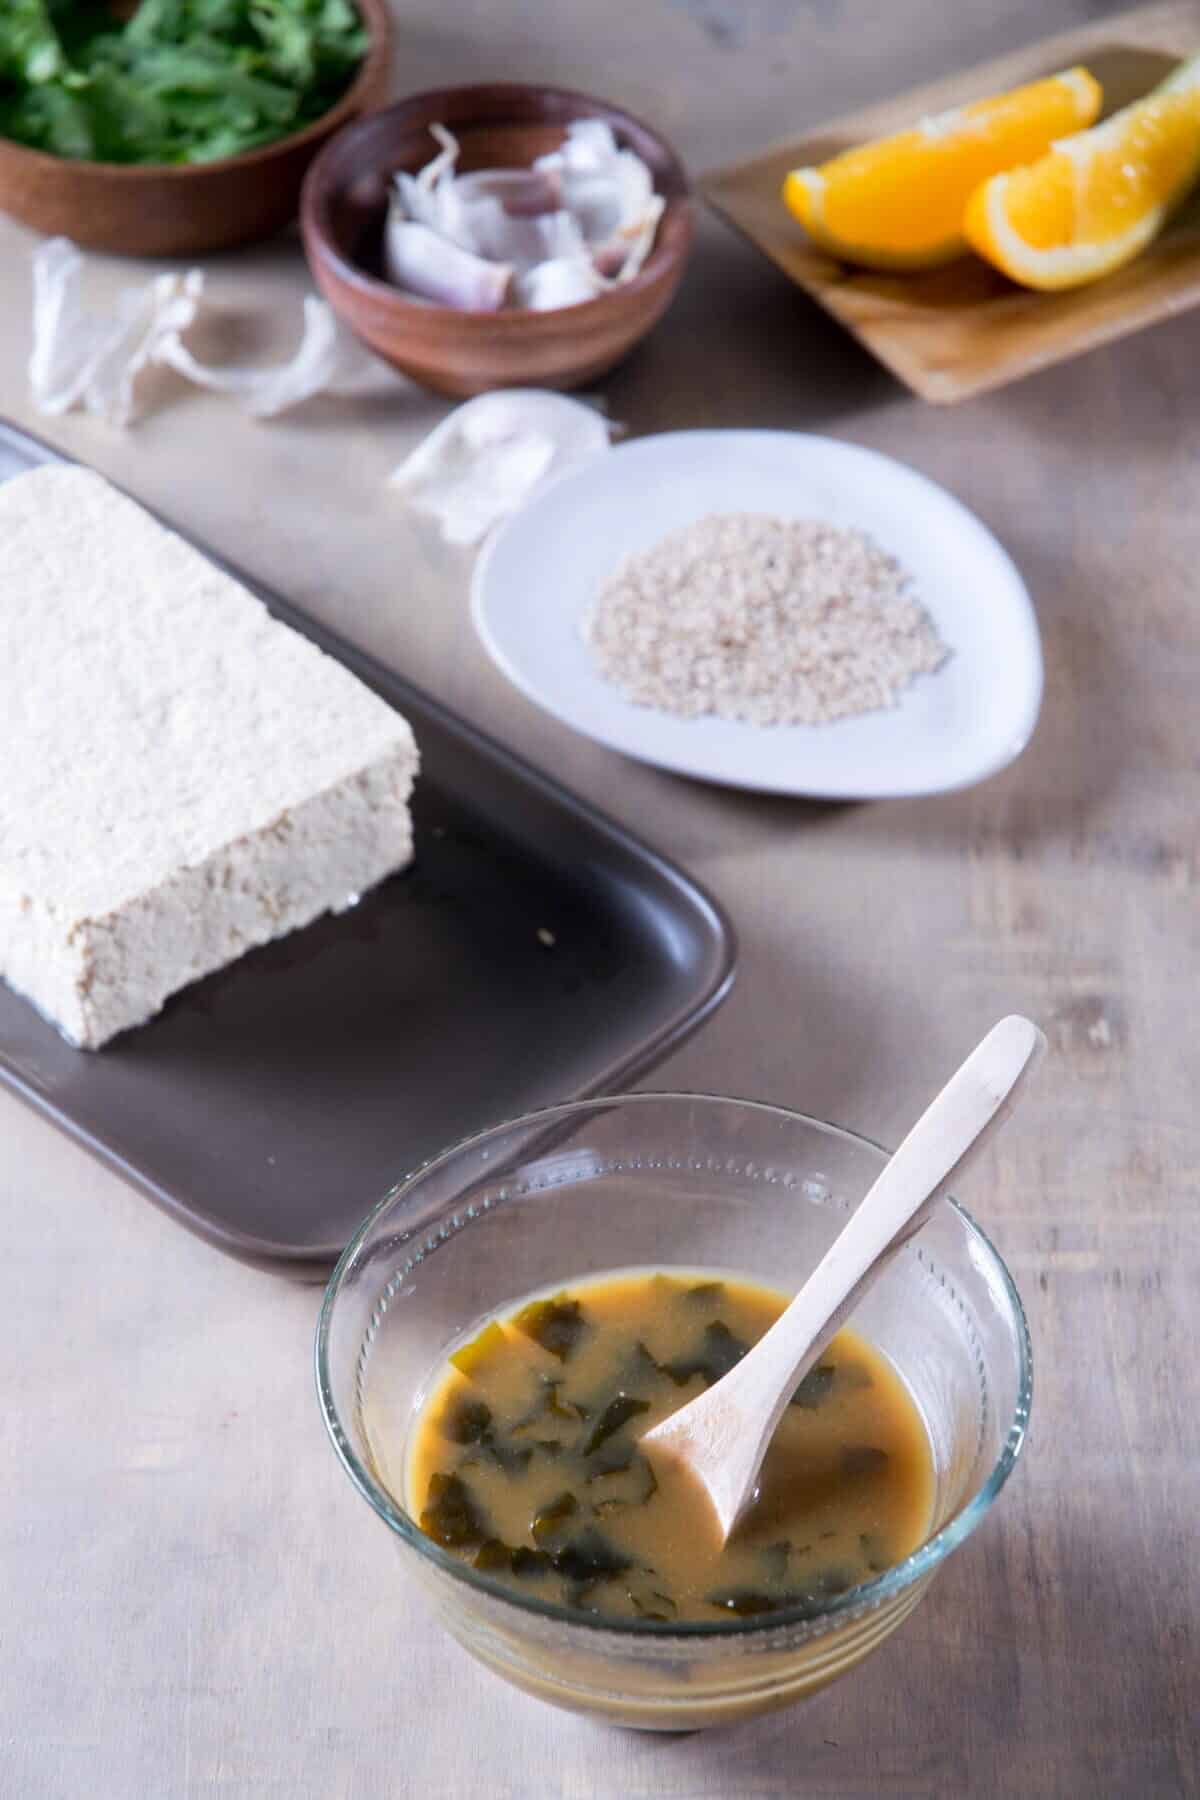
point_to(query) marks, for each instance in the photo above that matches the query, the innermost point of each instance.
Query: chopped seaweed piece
(530, 1563)
(452, 1516)
(863, 1459)
(875, 1552)
(514, 1459)
(706, 1293)
(470, 1422)
(774, 1558)
(642, 1369)
(716, 1354)
(555, 1408)
(550, 1413)
(620, 1409)
(466, 1421)
(745, 1602)
(640, 1486)
(816, 1387)
(613, 1460)
(550, 1522)
(557, 1325)
(492, 1555)
(590, 1557)
(647, 1601)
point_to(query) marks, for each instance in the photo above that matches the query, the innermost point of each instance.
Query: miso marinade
(524, 1459)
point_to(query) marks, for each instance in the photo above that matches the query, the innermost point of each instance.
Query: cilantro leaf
(180, 81)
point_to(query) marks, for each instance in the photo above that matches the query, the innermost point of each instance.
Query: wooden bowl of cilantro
(172, 127)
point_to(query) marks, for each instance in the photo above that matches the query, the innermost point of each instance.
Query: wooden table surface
(193, 1600)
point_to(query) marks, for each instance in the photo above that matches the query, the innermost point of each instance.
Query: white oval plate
(539, 574)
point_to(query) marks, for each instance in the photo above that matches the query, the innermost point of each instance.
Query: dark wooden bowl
(342, 213)
(159, 209)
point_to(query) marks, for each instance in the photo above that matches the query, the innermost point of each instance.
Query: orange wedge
(1097, 198)
(898, 203)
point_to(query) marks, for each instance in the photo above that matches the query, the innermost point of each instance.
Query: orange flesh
(906, 194)
(1059, 201)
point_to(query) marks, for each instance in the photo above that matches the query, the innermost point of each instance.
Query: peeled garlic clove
(419, 259)
(480, 463)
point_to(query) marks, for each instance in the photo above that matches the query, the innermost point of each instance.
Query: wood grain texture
(193, 1601)
(964, 329)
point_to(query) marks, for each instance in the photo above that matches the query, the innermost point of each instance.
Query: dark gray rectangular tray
(268, 1106)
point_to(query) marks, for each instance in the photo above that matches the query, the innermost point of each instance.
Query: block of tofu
(181, 777)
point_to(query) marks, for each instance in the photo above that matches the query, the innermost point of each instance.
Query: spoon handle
(954, 1127)
(733, 1423)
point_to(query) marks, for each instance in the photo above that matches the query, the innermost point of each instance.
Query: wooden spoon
(722, 1435)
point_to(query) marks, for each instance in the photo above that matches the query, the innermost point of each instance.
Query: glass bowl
(687, 1181)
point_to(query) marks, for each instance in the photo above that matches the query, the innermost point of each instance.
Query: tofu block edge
(263, 783)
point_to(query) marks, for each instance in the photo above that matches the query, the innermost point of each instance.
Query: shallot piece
(583, 217)
(610, 191)
(636, 239)
(488, 455)
(417, 258)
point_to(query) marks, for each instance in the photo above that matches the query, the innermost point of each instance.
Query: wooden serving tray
(963, 329)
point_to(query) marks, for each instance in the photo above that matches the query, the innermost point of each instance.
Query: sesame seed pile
(769, 620)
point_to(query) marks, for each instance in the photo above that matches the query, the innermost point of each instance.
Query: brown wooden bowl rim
(664, 257)
(377, 19)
